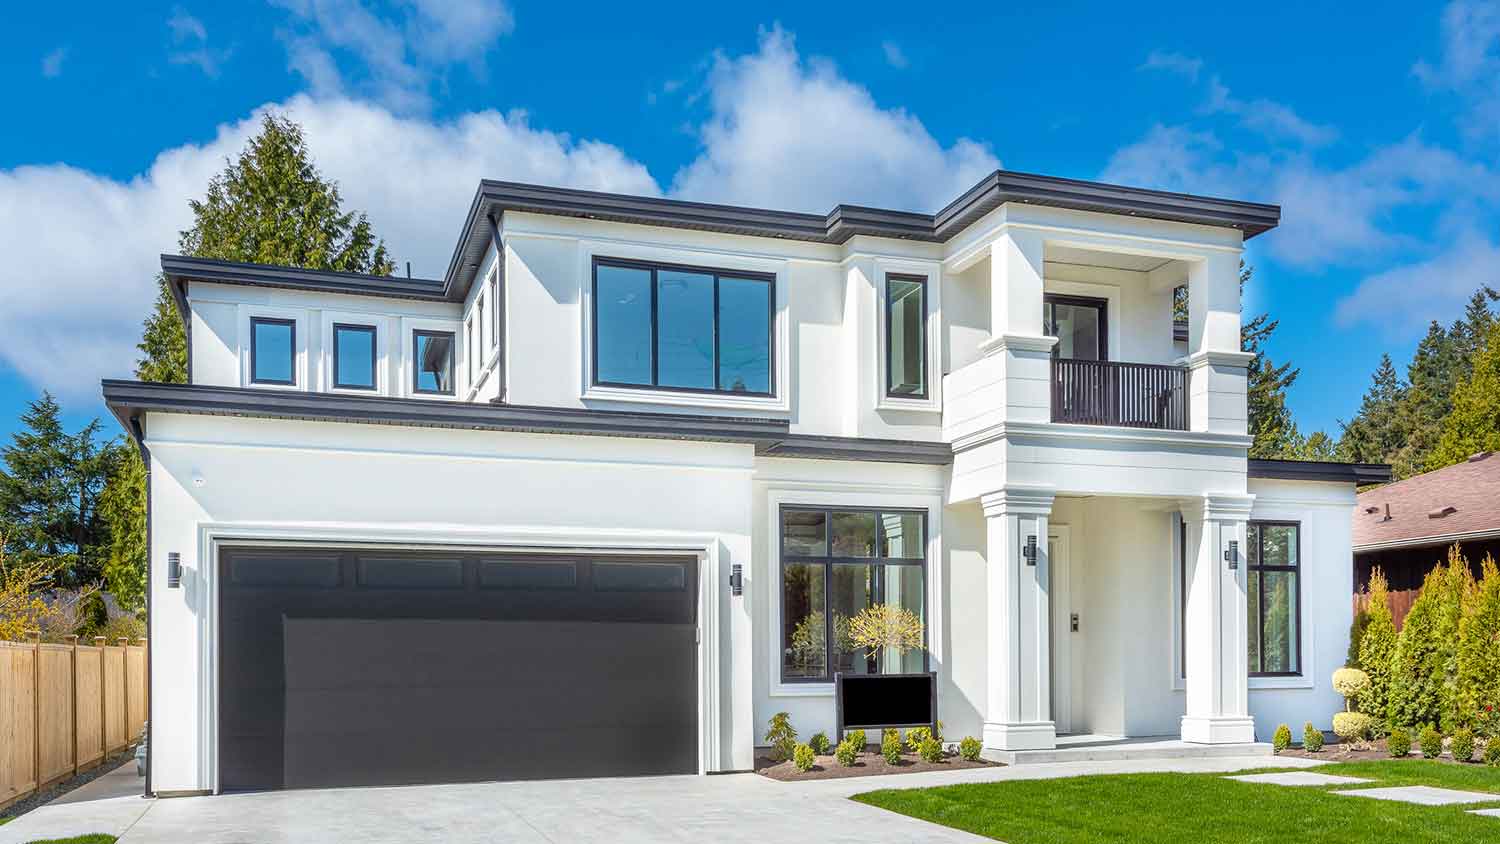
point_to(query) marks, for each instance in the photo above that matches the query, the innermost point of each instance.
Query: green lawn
(96, 838)
(1204, 808)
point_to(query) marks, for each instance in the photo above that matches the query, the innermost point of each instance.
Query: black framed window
(432, 370)
(1273, 553)
(273, 351)
(835, 563)
(1080, 324)
(906, 336)
(354, 357)
(692, 329)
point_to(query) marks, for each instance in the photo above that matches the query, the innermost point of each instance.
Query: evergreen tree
(1273, 431)
(1421, 691)
(1435, 371)
(270, 205)
(1473, 425)
(1372, 435)
(1479, 654)
(1377, 648)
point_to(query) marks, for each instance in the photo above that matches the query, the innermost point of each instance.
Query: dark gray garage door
(364, 667)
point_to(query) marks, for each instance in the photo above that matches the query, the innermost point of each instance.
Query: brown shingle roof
(1460, 500)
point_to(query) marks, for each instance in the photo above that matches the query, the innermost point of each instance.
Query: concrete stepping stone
(1424, 795)
(1299, 778)
(1489, 813)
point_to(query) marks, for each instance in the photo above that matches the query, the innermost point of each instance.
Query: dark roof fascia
(494, 198)
(1359, 474)
(129, 399)
(184, 268)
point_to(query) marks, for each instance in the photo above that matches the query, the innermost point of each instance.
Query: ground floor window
(836, 563)
(1273, 551)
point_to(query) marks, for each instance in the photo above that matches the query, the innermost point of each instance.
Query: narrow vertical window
(484, 345)
(354, 357)
(432, 354)
(1273, 551)
(906, 336)
(273, 351)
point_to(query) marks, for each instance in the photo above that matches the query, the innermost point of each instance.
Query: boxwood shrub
(1398, 743)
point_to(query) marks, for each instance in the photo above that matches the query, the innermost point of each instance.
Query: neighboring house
(1407, 527)
(598, 500)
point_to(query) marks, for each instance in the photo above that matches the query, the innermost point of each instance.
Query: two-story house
(603, 498)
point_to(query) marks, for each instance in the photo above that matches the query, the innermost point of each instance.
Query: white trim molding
(932, 271)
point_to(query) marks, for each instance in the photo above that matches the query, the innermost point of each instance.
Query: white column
(1017, 357)
(1018, 712)
(1215, 633)
(1016, 284)
(1216, 366)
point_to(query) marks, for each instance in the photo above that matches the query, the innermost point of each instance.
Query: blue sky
(1379, 133)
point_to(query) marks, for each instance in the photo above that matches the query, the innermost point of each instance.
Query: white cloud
(792, 133)
(185, 27)
(191, 39)
(1470, 63)
(894, 55)
(1268, 117)
(52, 62)
(1403, 300)
(89, 244)
(1184, 65)
(397, 58)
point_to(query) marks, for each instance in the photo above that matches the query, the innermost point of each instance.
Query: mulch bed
(47, 795)
(869, 764)
(1373, 750)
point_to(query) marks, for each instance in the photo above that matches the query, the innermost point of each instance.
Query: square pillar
(1018, 356)
(1018, 709)
(1214, 629)
(1216, 365)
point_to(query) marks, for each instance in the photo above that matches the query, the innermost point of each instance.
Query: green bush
(969, 748)
(1492, 753)
(1424, 670)
(890, 747)
(931, 750)
(820, 744)
(1282, 739)
(1398, 743)
(888, 733)
(858, 736)
(781, 737)
(1462, 745)
(1478, 659)
(1352, 727)
(803, 757)
(1431, 741)
(1312, 738)
(915, 736)
(847, 752)
(1377, 647)
(1357, 635)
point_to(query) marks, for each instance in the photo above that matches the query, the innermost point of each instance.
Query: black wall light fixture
(736, 580)
(1029, 552)
(174, 570)
(1232, 554)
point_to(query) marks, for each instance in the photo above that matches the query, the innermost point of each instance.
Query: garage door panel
(351, 685)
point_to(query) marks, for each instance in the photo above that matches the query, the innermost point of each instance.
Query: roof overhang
(1358, 474)
(129, 401)
(1434, 541)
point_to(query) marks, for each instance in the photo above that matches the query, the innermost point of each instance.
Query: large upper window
(273, 351)
(835, 563)
(354, 357)
(432, 352)
(1275, 623)
(906, 336)
(1079, 324)
(682, 328)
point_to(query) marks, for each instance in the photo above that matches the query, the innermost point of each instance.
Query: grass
(1204, 808)
(96, 838)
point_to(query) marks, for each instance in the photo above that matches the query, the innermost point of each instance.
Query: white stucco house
(601, 499)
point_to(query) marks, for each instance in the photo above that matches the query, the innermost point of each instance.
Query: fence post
(103, 699)
(72, 640)
(124, 644)
(36, 707)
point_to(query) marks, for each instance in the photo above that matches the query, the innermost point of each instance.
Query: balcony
(1131, 395)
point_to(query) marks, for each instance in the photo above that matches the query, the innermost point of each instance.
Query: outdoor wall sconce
(736, 580)
(1029, 551)
(174, 570)
(1232, 555)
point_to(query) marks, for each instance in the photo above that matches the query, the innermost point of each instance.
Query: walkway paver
(1489, 813)
(1299, 778)
(1424, 795)
(110, 804)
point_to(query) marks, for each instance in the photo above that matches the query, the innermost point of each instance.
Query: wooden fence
(1400, 601)
(64, 708)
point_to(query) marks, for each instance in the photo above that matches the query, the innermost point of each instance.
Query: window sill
(714, 401)
(1281, 683)
(928, 405)
(802, 690)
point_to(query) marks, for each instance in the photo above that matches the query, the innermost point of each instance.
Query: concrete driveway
(727, 808)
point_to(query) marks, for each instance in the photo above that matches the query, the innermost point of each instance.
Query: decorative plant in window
(807, 639)
(882, 627)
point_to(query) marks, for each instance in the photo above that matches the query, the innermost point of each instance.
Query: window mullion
(655, 352)
(828, 620)
(717, 385)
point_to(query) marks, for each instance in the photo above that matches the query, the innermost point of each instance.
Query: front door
(1065, 626)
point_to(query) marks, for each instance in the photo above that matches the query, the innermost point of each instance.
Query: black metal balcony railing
(1106, 392)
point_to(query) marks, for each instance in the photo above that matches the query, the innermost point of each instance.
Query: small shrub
(1352, 727)
(781, 736)
(931, 750)
(1431, 741)
(1282, 739)
(969, 748)
(858, 737)
(890, 747)
(1399, 742)
(820, 744)
(1350, 682)
(847, 752)
(1312, 738)
(1462, 745)
(915, 736)
(890, 733)
(1492, 752)
(803, 758)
